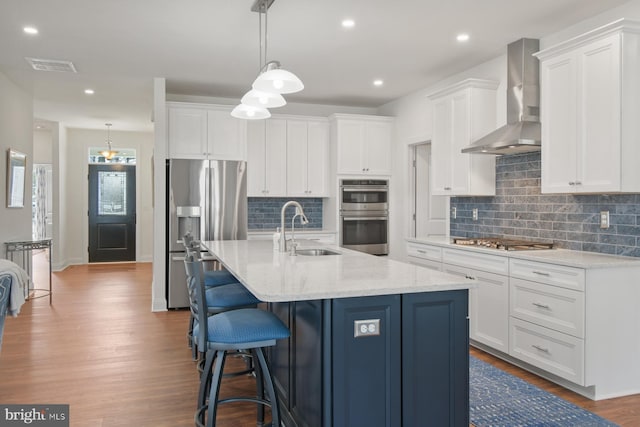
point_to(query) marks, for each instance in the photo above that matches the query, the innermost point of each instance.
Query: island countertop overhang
(278, 277)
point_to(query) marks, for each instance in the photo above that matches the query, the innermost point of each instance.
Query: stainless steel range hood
(521, 134)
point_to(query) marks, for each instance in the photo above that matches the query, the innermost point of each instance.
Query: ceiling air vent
(51, 65)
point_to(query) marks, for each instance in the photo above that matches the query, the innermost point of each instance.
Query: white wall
(75, 199)
(42, 147)
(16, 119)
(60, 206)
(158, 300)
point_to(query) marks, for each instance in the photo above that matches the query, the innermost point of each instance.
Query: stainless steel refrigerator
(209, 199)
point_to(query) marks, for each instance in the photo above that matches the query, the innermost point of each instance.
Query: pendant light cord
(262, 41)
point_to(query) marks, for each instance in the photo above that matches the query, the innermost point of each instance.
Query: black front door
(112, 213)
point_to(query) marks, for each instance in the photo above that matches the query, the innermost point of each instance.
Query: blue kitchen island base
(411, 368)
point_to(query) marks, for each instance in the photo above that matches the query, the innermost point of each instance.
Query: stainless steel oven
(364, 215)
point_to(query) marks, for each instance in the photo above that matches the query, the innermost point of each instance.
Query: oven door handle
(365, 190)
(364, 218)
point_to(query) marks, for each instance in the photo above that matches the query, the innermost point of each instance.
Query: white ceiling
(210, 48)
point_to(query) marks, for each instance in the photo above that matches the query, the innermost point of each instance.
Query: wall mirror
(16, 174)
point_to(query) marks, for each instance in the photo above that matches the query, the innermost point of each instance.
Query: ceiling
(210, 48)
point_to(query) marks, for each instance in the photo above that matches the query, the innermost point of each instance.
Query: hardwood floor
(101, 350)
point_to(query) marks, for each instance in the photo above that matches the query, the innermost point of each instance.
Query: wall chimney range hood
(521, 134)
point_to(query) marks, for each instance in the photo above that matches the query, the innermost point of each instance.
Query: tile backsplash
(519, 210)
(264, 212)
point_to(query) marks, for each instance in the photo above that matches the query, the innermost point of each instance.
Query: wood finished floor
(99, 348)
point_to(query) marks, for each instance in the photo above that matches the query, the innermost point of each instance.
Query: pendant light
(277, 80)
(262, 99)
(108, 153)
(271, 83)
(248, 112)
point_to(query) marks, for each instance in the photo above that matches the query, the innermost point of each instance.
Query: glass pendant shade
(278, 81)
(108, 153)
(248, 112)
(261, 99)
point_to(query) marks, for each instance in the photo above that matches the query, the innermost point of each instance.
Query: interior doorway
(428, 212)
(112, 212)
(42, 197)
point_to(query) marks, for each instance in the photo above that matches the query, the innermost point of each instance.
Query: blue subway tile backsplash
(519, 210)
(264, 213)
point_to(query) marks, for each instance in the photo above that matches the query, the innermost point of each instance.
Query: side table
(25, 249)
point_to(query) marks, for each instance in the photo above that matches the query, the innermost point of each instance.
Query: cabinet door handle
(578, 183)
(466, 276)
(539, 305)
(541, 273)
(572, 183)
(447, 188)
(542, 349)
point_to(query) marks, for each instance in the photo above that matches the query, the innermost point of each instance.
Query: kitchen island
(374, 342)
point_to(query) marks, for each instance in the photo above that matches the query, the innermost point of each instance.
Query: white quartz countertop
(566, 257)
(274, 276)
(298, 231)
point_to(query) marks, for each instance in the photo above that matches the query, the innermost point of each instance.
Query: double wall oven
(364, 215)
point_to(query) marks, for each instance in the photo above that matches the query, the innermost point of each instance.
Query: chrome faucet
(303, 220)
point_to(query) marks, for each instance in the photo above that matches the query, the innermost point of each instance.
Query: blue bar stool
(212, 278)
(248, 329)
(219, 298)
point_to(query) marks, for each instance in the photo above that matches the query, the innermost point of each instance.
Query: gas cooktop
(499, 243)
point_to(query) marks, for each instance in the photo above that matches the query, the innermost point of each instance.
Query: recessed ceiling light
(462, 37)
(348, 23)
(378, 82)
(30, 30)
(89, 91)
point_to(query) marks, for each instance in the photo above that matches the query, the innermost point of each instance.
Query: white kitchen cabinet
(590, 110)
(307, 158)
(572, 317)
(489, 300)
(187, 132)
(267, 158)
(226, 136)
(362, 143)
(425, 255)
(202, 131)
(463, 113)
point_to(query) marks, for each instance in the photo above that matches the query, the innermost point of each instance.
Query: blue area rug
(498, 399)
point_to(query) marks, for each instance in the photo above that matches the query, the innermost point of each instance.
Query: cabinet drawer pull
(466, 276)
(572, 183)
(542, 349)
(421, 251)
(447, 188)
(541, 273)
(539, 305)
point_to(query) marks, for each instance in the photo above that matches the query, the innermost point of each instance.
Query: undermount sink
(316, 252)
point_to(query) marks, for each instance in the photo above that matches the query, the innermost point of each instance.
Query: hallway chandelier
(108, 153)
(272, 81)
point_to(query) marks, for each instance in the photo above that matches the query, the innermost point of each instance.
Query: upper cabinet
(363, 144)
(590, 105)
(288, 158)
(267, 158)
(200, 131)
(307, 158)
(463, 113)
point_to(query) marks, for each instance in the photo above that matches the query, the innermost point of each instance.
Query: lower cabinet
(409, 366)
